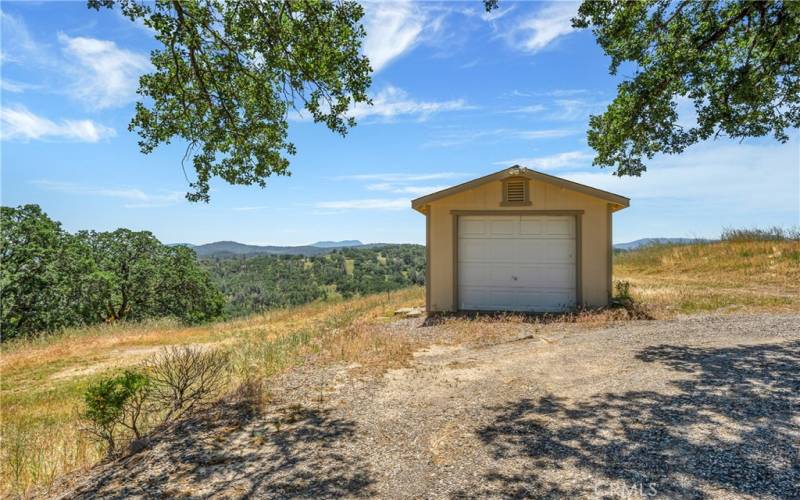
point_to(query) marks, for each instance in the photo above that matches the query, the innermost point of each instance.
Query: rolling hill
(234, 248)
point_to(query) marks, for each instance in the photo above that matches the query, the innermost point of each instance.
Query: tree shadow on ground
(729, 422)
(233, 452)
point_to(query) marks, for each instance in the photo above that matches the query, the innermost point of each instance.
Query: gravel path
(697, 407)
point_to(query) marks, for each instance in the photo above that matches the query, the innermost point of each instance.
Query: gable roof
(517, 171)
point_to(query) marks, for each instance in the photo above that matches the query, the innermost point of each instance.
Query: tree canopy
(229, 74)
(50, 279)
(736, 61)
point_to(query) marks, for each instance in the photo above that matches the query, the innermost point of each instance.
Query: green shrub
(623, 289)
(115, 407)
(173, 383)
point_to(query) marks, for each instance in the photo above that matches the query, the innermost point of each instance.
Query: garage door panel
(518, 263)
(545, 276)
(504, 227)
(518, 276)
(482, 299)
(545, 251)
(472, 227)
(560, 227)
(531, 226)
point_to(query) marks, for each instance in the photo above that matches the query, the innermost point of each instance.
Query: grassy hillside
(42, 382)
(725, 275)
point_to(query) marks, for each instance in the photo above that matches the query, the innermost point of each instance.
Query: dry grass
(722, 276)
(42, 381)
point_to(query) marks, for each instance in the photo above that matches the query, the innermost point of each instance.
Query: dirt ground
(694, 407)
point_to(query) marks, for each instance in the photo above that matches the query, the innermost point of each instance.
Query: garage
(518, 240)
(517, 263)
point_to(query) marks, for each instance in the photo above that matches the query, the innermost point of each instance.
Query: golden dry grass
(42, 381)
(722, 276)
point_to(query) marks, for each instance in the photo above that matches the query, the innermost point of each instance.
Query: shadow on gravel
(733, 426)
(222, 455)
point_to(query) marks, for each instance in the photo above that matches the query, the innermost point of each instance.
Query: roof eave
(418, 204)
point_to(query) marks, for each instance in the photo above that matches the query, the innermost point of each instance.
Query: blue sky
(457, 94)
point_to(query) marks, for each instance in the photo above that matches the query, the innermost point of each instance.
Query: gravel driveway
(704, 406)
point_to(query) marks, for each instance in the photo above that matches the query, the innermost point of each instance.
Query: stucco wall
(595, 220)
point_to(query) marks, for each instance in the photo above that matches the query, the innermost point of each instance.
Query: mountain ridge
(643, 242)
(234, 248)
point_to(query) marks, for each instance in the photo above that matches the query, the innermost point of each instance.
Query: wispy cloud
(18, 123)
(576, 109)
(401, 189)
(366, 204)
(15, 87)
(526, 110)
(496, 14)
(402, 183)
(134, 198)
(459, 137)
(392, 102)
(717, 174)
(549, 23)
(567, 159)
(19, 46)
(106, 76)
(393, 28)
(401, 177)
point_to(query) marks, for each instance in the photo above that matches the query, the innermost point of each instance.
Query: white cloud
(107, 75)
(736, 177)
(18, 123)
(366, 204)
(496, 14)
(135, 198)
(552, 162)
(536, 32)
(459, 137)
(15, 87)
(18, 44)
(576, 109)
(401, 189)
(393, 28)
(393, 101)
(401, 177)
(526, 110)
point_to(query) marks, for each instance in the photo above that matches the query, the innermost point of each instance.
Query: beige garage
(518, 240)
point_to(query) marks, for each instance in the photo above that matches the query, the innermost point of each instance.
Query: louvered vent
(515, 191)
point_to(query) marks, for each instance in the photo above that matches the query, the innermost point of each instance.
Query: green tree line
(51, 279)
(256, 283)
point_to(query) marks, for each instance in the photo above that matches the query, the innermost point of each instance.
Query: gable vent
(515, 191)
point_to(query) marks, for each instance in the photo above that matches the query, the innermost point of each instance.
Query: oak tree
(228, 76)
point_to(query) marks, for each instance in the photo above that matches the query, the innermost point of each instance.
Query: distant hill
(337, 244)
(233, 248)
(633, 245)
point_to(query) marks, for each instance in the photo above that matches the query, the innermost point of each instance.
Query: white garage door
(516, 263)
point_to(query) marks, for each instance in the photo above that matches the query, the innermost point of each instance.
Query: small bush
(774, 233)
(175, 382)
(185, 379)
(623, 289)
(115, 408)
(623, 300)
